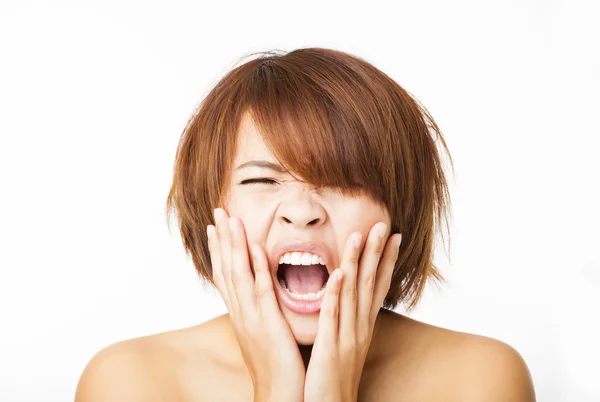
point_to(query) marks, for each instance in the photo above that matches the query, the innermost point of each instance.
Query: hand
(267, 344)
(347, 317)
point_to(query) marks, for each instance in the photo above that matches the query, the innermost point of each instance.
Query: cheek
(254, 221)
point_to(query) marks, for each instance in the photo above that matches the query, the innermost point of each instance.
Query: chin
(303, 326)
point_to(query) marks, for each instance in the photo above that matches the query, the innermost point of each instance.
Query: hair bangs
(311, 133)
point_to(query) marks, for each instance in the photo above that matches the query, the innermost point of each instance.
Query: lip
(298, 306)
(293, 245)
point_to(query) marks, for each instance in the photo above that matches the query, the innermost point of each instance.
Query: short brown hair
(359, 132)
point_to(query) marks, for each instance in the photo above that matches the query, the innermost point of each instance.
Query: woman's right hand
(267, 344)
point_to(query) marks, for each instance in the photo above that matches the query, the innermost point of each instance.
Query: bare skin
(407, 361)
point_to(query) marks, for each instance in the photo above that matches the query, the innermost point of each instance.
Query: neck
(305, 352)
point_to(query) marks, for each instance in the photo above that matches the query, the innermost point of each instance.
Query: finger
(367, 272)
(327, 332)
(221, 220)
(384, 274)
(348, 296)
(265, 293)
(241, 276)
(215, 262)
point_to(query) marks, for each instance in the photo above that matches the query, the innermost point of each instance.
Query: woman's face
(275, 214)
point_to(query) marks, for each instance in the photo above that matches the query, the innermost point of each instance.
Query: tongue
(303, 279)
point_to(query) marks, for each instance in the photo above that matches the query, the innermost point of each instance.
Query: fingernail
(210, 231)
(382, 230)
(357, 239)
(399, 240)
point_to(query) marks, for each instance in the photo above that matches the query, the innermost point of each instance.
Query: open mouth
(303, 282)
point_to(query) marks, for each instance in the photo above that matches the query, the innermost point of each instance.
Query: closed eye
(266, 181)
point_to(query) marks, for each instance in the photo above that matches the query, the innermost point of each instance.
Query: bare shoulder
(492, 370)
(119, 372)
(148, 368)
(460, 366)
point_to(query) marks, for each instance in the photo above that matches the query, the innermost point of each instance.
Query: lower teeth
(307, 296)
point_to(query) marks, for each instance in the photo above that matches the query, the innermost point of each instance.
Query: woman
(309, 191)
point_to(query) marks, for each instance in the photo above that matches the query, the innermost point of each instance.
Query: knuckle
(348, 344)
(393, 257)
(370, 282)
(351, 293)
(378, 247)
(261, 293)
(219, 231)
(331, 310)
(235, 277)
(262, 289)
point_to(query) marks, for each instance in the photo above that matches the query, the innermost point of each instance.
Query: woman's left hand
(348, 312)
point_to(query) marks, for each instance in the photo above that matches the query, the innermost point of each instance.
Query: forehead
(250, 144)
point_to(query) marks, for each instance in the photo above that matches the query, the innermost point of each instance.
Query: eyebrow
(263, 164)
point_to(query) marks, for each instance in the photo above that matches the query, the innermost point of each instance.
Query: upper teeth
(298, 258)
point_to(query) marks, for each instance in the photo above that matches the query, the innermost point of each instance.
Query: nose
(299, 209)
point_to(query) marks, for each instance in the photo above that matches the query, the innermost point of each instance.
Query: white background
(93, 99)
